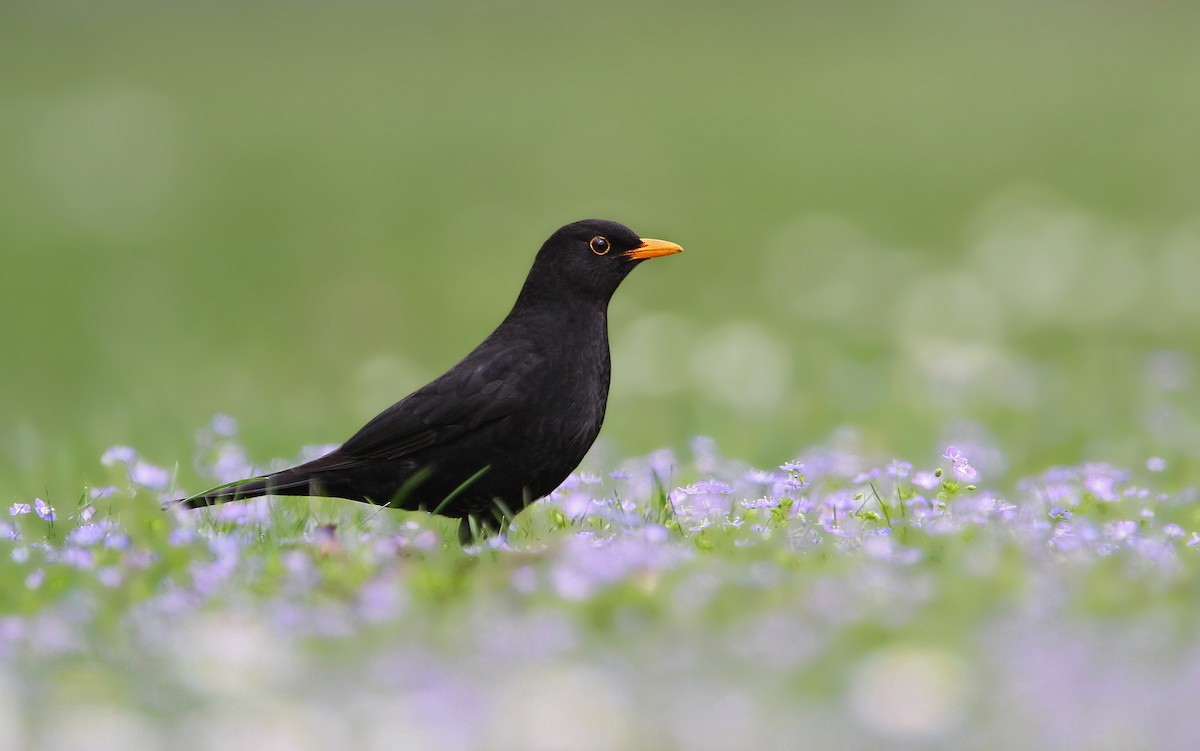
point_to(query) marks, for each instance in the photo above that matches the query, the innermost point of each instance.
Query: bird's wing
(483, 388)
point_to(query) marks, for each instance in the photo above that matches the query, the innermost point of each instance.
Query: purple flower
(926, 480)
(999, 506)
(759, 477)
(962, 469)
(78, 558)
(828, 525)
(662, 463)
(231, 463)
(1101, 486)
(118, 455)
(181, 536)
(713, 486)
(1121, 530)
(764, 502)
(19, 508)
(380, 600)
(1156, 464)
(899, 469)
(149, 476)
(656, 534)
(224, 425)
(524, 580)
(870, 475)
(707, 498)
(116, 541)
(44, 510)
(109, 576)
(426, 539)
(965, 471)
(86, 535)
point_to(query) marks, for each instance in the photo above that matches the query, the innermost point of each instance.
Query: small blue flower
(759, 477)
(149, 476)
(764, 502)
(118, 455)
(44, 510)
(35, 579)
(1121, 530)
(181, 536)
(224, 425)
(87, 535)
(962, 469)
(965, 471)
(899, 469)
(713, 486)
(109, 576)
(927, 480)
(19, 508)
(78, 558)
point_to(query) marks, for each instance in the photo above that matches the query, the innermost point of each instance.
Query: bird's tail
(281, 483)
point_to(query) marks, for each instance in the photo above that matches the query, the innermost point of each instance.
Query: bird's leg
(472, 529)
(466, 531)
(476, 528)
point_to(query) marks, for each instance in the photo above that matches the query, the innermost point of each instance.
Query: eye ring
(599, 245)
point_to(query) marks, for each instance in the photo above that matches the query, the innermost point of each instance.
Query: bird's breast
(571, 392)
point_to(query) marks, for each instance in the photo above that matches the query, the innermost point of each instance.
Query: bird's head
(587, 260)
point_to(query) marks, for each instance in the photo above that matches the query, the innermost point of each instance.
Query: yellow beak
(652, 249)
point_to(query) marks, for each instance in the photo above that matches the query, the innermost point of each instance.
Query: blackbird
(507, 424)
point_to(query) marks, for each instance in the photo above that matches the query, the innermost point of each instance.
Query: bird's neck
(560, 318)
(535, 301)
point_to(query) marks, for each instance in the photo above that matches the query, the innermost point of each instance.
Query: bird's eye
(599, 245)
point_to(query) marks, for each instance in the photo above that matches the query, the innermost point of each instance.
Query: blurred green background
(931, 221)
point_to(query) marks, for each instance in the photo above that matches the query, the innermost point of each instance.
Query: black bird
(508, 423)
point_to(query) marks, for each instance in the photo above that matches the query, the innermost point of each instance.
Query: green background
(930, 221)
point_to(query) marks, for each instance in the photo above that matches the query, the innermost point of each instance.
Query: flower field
(661, 602)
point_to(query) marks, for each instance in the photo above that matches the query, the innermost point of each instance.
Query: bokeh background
(926, 221)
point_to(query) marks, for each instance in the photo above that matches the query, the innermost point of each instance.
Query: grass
(908, 225)
(831, 599)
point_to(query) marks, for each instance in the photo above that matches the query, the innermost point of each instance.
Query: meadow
(919, 236)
